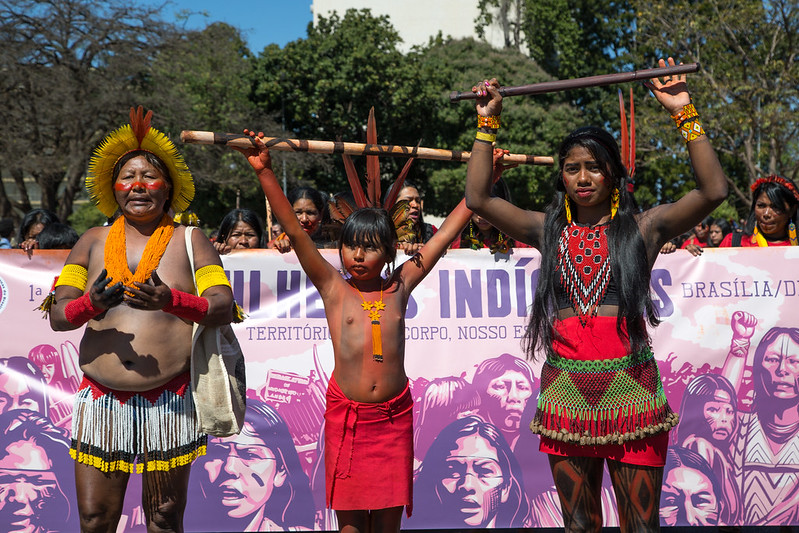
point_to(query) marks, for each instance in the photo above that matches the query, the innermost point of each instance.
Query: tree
(747, 90)
(507, 14)
(71, 69)
(324, 86)
(201, 80)
(530, 124)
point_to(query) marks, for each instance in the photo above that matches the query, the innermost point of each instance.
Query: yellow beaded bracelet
(491, 122)
(488, 137)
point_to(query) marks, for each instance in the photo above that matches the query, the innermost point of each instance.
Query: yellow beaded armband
(492, 122)
(488, 137)
(74, 276)
(210, 276)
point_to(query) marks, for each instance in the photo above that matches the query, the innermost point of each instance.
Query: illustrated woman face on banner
(691, 494)
(470, 478)
(505, 385)
(778, 354)
(257, 476)
(34, 466)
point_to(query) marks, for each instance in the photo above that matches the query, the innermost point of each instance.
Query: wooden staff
(330, 147)
(581, 83)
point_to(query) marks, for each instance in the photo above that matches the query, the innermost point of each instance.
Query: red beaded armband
(81, 310)
(188, 306)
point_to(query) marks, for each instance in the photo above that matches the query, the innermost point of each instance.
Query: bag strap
(737, 237)
(190, 252)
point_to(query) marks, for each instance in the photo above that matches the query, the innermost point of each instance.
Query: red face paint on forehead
(151, 185)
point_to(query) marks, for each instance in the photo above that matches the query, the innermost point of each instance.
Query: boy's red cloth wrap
(368, 452)
(81, 310)
(188, 306)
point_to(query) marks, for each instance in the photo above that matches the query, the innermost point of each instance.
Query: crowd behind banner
(728, 351)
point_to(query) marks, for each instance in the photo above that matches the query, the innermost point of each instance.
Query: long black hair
(628, 258)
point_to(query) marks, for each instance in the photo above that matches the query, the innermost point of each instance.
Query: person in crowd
(772, 216)
(719, 229)
(470, 479)
(32, 224)
(699, 235)
(36, 479)
(365, 313)
(309, 207)
(444, 400)
(132, 287)
(240, 229)
(253, 481)
(505, 385)
(592, 306)
(708, 427)
(6, 231)
(691, 492)
(57, 236)
(479, 233)
(422, 231)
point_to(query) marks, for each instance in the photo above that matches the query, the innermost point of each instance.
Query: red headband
(777, 179)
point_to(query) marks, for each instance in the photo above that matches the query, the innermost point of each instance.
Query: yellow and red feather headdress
(138, 135)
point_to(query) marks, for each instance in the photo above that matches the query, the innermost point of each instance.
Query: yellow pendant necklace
(374, 308)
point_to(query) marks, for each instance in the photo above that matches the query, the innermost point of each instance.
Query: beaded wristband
(688, 111)
(487, 137)
(188, 306)
(81, 310)
(491, 122)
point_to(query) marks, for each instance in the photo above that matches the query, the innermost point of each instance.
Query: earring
(792, 233)
(566, 206)
(614, 202)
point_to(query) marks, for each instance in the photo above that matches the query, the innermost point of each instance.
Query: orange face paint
(150, 185)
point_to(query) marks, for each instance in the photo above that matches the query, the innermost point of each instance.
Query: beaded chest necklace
(584, 267)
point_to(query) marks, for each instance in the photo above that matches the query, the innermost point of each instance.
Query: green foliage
(325, 85)
(86, 216)
(201, 81)
(747, 90)
(530, 125)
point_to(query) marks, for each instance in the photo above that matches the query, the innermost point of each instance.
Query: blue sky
(261, 22)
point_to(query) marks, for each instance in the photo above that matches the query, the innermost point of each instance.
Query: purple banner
(728, 350)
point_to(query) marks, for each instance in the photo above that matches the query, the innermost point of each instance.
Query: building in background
(417, 21)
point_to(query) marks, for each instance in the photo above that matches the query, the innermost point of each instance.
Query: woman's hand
(694, 250)
(222, 248)
(154, 294)
(258, 155)
(282, 244)
(672, 92)
(104, 296)
(29, 245)
(489, 101)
